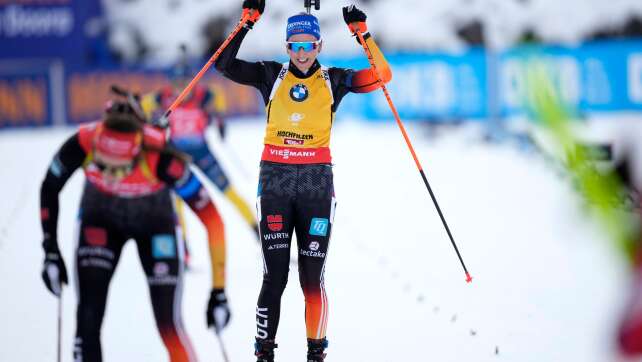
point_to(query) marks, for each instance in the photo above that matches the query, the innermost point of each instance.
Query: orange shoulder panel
(365, 80)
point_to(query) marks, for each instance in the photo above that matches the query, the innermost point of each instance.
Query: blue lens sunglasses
(307, 46)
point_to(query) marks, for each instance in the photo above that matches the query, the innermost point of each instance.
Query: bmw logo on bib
(299, 92)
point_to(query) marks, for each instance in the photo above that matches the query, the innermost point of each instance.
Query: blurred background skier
(188, 125)
(129, 171)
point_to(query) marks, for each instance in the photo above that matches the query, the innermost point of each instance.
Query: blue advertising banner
(45, 28)
(595, 77)
(605, 76)
(425, 87)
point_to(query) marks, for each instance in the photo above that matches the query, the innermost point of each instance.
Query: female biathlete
(129, 170)
(296, 190)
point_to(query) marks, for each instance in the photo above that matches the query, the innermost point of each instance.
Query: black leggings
(106, 223)
(294, 198)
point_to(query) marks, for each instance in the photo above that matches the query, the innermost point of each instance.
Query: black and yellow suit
(296, 192)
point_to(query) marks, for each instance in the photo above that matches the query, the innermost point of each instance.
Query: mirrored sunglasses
(307, 46)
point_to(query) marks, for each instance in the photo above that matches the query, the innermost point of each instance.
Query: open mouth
(303, 60)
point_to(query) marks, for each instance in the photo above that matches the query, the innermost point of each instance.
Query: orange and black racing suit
(295, 191)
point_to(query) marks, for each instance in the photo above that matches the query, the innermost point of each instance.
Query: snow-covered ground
(547, 285)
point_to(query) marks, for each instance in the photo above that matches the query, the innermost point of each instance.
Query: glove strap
(254, 17)
(50, 246)
(361, 25)
(218, 295)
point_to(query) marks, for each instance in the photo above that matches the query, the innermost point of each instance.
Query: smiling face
(300, 58)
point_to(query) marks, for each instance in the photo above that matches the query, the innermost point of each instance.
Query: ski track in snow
(14, 213)
(15, 202)
(547, 286)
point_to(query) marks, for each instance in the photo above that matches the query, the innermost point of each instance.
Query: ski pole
(59, 337)
(308, 4)
(164, 119)
(366, 48)
(222, 345)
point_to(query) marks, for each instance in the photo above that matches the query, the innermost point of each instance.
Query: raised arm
(365, 80)
(260, 75)
(228, 64)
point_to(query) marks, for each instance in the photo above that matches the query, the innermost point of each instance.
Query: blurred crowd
(150, 31)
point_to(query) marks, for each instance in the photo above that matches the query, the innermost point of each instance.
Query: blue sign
(424, 87)
(46, 28)
(605, 76)
(600, 76)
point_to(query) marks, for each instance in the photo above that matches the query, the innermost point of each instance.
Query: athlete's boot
(316, 348)
(264, 350)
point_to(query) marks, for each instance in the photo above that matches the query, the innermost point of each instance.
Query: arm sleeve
(260, 75)
(177, 174)
(65, 162)
(365, 80)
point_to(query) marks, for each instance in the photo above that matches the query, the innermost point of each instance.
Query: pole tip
(469, 279)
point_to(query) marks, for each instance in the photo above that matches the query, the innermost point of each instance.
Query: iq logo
(163, 246)
(299, 92)
(319, 226)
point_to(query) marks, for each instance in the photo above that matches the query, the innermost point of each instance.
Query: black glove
(257, 5)
(352, 15)
(54, 273)
(218, 312)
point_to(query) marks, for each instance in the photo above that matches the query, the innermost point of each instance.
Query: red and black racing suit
(138, 207)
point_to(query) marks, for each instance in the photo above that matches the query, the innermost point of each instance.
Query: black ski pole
(59, 336)
(412, 150)
(221, 345)
(308, 4)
